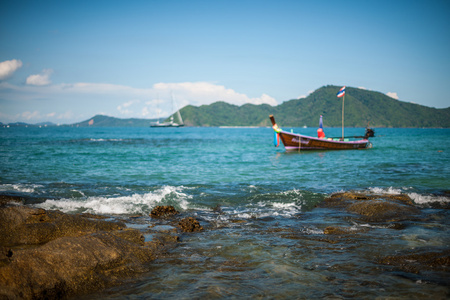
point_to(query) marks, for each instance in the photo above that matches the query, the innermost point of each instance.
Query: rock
(21, 225)
(383, 211)
(163, 211)
(73, 265)
(52, 255)
(419, 261)
(374, 207)
(190, 225)
(342, 230)
(5, 199)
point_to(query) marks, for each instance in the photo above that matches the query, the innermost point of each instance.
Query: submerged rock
(374, 207)
(52, 255)
(420, 261)
(338, 230)
(382, 210)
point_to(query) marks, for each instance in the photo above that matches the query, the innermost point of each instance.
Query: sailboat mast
(343, 99)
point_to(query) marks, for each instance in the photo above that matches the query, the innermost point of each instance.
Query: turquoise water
(275, 250)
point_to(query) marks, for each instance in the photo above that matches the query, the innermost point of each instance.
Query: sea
(259, 205)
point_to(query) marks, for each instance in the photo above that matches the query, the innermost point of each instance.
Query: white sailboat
(171, 122)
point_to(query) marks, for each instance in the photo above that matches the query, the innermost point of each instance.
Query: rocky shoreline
(52, 255)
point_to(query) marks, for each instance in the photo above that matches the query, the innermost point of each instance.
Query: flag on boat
(341, 92)
(320, 122)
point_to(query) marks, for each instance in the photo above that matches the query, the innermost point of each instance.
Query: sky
(66, 61)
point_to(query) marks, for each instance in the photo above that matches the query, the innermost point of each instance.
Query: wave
(133, 204)
(421, 199)
(20, 187)
(280, 204)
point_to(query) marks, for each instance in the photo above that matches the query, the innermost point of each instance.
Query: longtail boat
(294, 141)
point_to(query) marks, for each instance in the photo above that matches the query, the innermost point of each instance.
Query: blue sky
(65, 61)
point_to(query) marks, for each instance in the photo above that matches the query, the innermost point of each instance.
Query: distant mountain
(361, 107)
(22, 124)
(105, 121)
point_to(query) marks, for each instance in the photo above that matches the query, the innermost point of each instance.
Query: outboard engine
(369, 133)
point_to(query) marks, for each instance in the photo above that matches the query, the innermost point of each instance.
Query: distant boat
(171, 123)
(294, 141)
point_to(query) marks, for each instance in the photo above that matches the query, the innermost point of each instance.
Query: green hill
(105, 121)
(361, 107)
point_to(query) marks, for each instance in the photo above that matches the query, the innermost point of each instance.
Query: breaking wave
(133, 204)
(421, 199)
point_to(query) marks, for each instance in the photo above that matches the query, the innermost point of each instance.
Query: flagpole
(343, 99)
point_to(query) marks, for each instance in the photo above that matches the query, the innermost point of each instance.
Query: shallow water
(267, 239)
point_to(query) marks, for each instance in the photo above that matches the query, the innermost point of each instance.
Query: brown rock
(163, 211)
(5, 199)
(374, 207)
(383, 211)
(419, 261)
(20, 225)
(73, 265)
(190, 225)
(52, 255)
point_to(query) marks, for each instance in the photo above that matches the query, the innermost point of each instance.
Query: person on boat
(320, 133)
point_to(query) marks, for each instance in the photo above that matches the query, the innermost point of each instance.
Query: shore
(52, 255)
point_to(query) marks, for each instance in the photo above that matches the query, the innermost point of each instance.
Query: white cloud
(392, 95)
(123, 108)
(8, 67)
(40, 79)
(199, 93)
(304, 96)
(83, 100)
(31, 115)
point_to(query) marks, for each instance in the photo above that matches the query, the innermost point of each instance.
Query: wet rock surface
(163, 211)
(419, 261)
(392, 212)
(357, 242)
(374, 208)
(190, 225)
(53, 255)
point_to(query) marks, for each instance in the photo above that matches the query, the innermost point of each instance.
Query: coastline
(48, 254)
(98, 253)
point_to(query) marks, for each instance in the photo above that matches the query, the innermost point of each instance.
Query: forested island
(362, 108)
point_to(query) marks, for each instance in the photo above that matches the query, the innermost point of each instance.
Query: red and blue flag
(341, 92)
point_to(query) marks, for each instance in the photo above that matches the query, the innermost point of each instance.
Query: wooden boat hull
(293, 141)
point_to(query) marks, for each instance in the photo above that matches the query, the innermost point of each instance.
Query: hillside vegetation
(361, 107)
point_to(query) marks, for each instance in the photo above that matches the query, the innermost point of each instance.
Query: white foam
(389, 191)
(106, 140)
(133, 204)
(424, 199)
(286, 205)
(417, 198)
(19, 187)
